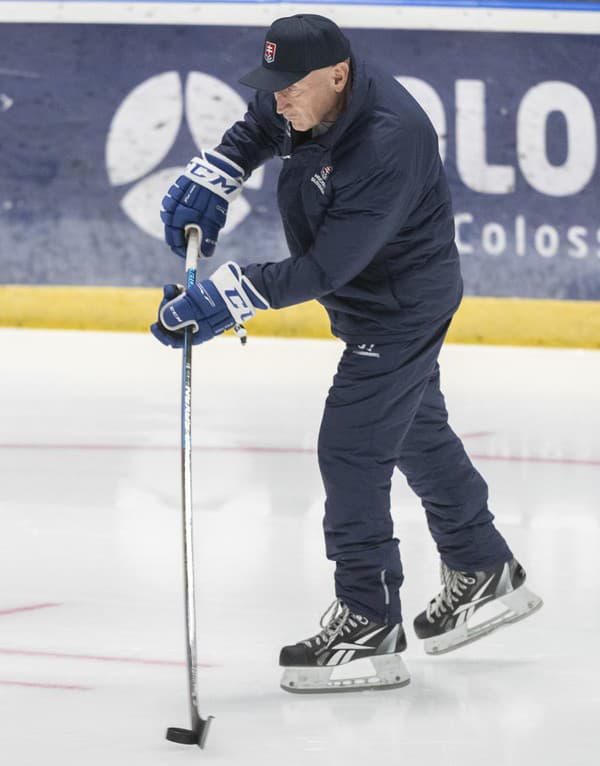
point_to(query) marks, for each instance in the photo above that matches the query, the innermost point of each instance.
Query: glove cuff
(241, 297)
(211, 176)
(224, 163)
(258, 300)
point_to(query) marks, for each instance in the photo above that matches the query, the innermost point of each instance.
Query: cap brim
(273, 80)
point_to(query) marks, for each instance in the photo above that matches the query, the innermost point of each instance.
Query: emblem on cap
(270, 49)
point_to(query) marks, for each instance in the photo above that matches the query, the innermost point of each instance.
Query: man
(368, 220)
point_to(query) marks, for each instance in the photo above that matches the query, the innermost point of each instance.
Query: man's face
(312, 99)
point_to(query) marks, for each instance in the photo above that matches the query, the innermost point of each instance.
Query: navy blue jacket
(365, 209)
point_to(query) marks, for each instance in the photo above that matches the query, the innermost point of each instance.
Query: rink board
(498, 321)
(97, 114)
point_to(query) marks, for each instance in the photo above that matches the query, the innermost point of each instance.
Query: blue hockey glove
(201, 197)
(214, 305)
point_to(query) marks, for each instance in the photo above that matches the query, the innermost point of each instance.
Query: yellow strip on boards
(505, 321)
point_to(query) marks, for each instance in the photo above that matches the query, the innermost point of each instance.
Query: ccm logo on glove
(229, 186)
(201, 197)
(236, 302)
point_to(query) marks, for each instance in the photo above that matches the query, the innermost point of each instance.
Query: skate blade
(519, 603)
(384, 671)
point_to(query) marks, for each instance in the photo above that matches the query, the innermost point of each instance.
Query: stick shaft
(186, 490)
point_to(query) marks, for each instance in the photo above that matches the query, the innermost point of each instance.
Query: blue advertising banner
(97, 120)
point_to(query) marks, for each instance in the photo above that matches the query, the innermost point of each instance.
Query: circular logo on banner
(145, 128)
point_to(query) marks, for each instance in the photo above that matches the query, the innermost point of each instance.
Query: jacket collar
(357, 101)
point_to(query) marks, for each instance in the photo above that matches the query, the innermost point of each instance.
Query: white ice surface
(91, 613)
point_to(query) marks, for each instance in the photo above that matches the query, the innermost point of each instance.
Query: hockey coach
(368, 220)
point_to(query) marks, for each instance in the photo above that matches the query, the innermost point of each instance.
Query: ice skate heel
(520, 604)
(471, 605)
(385, 671)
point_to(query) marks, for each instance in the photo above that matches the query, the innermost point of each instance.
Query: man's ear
(340, 75)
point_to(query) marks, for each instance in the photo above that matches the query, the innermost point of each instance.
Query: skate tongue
(355, 615)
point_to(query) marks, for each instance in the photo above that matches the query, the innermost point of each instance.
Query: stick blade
(190, 736)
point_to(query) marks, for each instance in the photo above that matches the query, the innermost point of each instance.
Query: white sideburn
(519, 603)
(381, 671)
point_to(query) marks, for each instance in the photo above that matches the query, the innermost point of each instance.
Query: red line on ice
(98, 658)
(283, 450)
(533, 459)
(26, 608)
(64, 687)
(157, 448)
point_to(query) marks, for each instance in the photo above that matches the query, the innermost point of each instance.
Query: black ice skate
(448, 622)
(350, 653)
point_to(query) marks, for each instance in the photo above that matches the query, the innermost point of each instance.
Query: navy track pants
(385, 410)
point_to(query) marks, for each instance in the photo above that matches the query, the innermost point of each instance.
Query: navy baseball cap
(294, 47)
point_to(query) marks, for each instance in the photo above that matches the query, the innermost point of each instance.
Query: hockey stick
(199, 730)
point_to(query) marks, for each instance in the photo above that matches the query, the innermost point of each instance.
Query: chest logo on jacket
(320, 178)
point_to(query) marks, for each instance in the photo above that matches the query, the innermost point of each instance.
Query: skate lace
(454, 584)
(337, 618)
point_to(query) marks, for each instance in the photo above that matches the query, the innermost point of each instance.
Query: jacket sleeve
(258, 137)
(366, 214)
